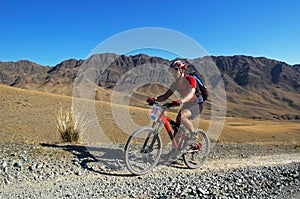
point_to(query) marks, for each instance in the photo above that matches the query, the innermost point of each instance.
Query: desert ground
(29, 117)
(33, 155)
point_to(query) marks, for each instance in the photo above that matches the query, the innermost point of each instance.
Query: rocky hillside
(258, 73)
(256, 87)
(22, 74)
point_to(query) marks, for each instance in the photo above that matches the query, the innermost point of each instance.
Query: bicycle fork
(155, 137)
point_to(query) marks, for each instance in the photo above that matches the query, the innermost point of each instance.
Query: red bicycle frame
(167, 122)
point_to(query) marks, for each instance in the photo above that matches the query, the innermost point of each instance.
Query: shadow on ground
(101, 160)
(108, 160)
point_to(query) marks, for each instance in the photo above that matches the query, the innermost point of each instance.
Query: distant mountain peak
(245, 77)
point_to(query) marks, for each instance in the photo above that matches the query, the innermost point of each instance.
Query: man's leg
(185, 115)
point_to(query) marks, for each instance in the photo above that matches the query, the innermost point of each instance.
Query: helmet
(178, 64)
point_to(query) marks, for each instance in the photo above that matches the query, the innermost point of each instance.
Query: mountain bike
(144, 147)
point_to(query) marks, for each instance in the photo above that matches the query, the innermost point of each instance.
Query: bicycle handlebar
(164, 106)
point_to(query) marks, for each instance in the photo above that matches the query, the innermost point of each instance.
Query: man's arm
(165, 96)
(189, 96)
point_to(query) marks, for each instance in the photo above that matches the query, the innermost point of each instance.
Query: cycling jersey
(184, 86)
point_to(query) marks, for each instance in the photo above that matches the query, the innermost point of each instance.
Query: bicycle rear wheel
(196, 155)
(142, 151)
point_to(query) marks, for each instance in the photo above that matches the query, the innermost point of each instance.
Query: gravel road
(68, 171)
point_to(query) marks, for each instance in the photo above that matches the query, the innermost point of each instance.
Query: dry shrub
(70, 126)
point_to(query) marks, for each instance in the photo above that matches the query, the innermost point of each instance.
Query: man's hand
(176, 103)
(151, 99)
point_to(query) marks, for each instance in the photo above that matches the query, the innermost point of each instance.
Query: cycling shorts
(195, 108)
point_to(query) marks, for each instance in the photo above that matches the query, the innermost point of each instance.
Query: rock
(18, 164)
(40, 165)
(33, 167)
(7, 181)
(279, 181)
(79, 173)
(3, 165)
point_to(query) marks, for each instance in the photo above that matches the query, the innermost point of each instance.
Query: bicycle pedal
(194, 147)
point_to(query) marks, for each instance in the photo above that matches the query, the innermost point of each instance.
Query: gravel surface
(66, 171)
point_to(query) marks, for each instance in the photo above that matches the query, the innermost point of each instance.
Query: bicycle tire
(194, 158)
(140, 158)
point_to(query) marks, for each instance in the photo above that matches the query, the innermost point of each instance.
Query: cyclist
(186, 86)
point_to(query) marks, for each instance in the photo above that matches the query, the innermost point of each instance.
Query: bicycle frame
(163, 119)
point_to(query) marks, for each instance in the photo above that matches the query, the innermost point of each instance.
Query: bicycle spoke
(197, 153)
(142, 151)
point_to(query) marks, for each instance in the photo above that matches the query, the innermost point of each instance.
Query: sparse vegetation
(36, 122)
(69, 126)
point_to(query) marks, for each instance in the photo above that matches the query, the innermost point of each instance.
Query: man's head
(178, 67)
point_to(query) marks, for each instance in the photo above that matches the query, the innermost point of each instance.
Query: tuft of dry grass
(69, 126)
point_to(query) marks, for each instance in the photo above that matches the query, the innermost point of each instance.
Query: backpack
(201, 89)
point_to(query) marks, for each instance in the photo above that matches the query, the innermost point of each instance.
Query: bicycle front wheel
(142, 151)
(197, 153)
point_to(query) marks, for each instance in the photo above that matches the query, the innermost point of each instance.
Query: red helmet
(178, 64)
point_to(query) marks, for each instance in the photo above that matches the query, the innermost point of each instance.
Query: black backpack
(201, 89)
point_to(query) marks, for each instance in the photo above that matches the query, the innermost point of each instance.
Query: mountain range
(256, 87)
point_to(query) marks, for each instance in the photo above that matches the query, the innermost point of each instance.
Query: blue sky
(48, 32)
